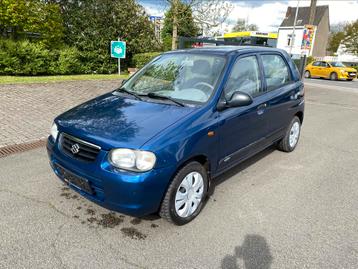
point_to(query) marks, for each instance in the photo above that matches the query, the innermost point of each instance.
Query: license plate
(78, 182)
(352, 74)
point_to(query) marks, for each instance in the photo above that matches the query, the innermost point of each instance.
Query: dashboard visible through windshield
(186, 77)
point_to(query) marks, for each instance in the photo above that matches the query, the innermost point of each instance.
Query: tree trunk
(175, 25)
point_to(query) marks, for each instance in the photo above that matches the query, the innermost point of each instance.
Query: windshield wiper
(130, 93)
(157, 96)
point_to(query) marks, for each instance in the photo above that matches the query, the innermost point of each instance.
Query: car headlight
(54, 131)
(133, 160)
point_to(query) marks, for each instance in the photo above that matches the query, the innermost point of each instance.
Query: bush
(32, 58)
(310, 59)
(140, 59)
(23, 58)
(66, 61)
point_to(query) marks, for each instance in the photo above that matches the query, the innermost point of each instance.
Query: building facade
(305, 39)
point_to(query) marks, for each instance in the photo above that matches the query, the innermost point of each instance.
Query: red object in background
(197, 45)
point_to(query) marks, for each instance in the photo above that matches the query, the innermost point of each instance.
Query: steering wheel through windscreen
(207, 89)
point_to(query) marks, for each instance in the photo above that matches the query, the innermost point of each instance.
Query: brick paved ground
(27, 110)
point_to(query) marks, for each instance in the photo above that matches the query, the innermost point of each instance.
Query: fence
(188, 42)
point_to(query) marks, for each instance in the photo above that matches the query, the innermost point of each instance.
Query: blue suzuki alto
(156, 143)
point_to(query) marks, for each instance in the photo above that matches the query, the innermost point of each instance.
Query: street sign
(118, 49)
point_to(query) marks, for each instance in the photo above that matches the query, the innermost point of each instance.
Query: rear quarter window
(276, 71)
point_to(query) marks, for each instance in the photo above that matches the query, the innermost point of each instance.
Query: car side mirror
(237, 99)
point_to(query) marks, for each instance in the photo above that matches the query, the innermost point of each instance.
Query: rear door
(282, 93)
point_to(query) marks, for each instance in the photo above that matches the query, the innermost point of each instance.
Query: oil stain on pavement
(106, 220)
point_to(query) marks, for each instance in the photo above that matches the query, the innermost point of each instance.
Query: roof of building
(303, 16)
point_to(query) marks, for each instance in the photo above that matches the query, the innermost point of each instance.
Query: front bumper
(131, 193)
(347, 75)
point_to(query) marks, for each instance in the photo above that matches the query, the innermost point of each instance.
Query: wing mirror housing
(123, 81)
(237, 99)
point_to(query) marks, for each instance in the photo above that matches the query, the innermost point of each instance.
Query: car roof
(224, 50)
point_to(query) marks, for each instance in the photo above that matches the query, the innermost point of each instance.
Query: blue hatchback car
(156, 143)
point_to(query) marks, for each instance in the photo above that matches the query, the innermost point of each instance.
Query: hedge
(140, 59)
(29, 58)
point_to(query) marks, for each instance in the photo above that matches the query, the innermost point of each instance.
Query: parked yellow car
(331, 70)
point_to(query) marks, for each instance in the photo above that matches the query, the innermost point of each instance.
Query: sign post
(118, 50)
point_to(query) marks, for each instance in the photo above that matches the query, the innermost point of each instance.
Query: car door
(315, 69)
(242, 129)
(324, 70)
(282, 93)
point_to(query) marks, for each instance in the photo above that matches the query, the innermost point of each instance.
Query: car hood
(112, 121)
(349, 69)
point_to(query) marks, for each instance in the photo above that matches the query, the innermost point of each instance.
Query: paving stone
(27, 110)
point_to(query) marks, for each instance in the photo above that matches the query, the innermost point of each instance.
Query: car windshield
(337, 64)
(188, 77)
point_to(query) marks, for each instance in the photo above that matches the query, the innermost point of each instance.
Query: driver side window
(244, 77)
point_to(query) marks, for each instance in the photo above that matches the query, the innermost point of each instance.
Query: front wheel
(333, 76)
(289, 142)
(186, 194)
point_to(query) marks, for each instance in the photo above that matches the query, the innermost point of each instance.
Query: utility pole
(294, 28)
(312, 12)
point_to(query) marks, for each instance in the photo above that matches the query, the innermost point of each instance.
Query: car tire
(333, 76)
(290, 141)
(307, 74)
(183, 211)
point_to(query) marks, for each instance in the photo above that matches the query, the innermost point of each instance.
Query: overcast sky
(268, 14)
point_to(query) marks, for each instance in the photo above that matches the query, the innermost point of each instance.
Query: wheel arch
(333, 72)
(299, 114)
(200, 158)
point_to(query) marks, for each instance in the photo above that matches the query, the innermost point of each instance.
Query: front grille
(78, 149)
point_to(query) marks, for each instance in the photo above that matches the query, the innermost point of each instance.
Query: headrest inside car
(201, 67)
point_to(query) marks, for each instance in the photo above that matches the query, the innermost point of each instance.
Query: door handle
(261, 109)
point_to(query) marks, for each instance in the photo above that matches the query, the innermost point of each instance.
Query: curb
(17, 148)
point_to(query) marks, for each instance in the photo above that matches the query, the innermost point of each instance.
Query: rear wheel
(186, 194)
(289, 142)
(307, 74)
(333, 76)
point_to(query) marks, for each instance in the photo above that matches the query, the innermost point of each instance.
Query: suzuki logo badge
(75, 148)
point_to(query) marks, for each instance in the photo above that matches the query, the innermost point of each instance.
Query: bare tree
(207, 13)
(242, 25)
(210, 14)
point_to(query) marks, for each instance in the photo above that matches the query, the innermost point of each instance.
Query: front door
(324, 70)
(315, 69)
(242, 129)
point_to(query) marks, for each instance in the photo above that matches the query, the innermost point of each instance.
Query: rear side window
(276, 71)
(244, 77)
